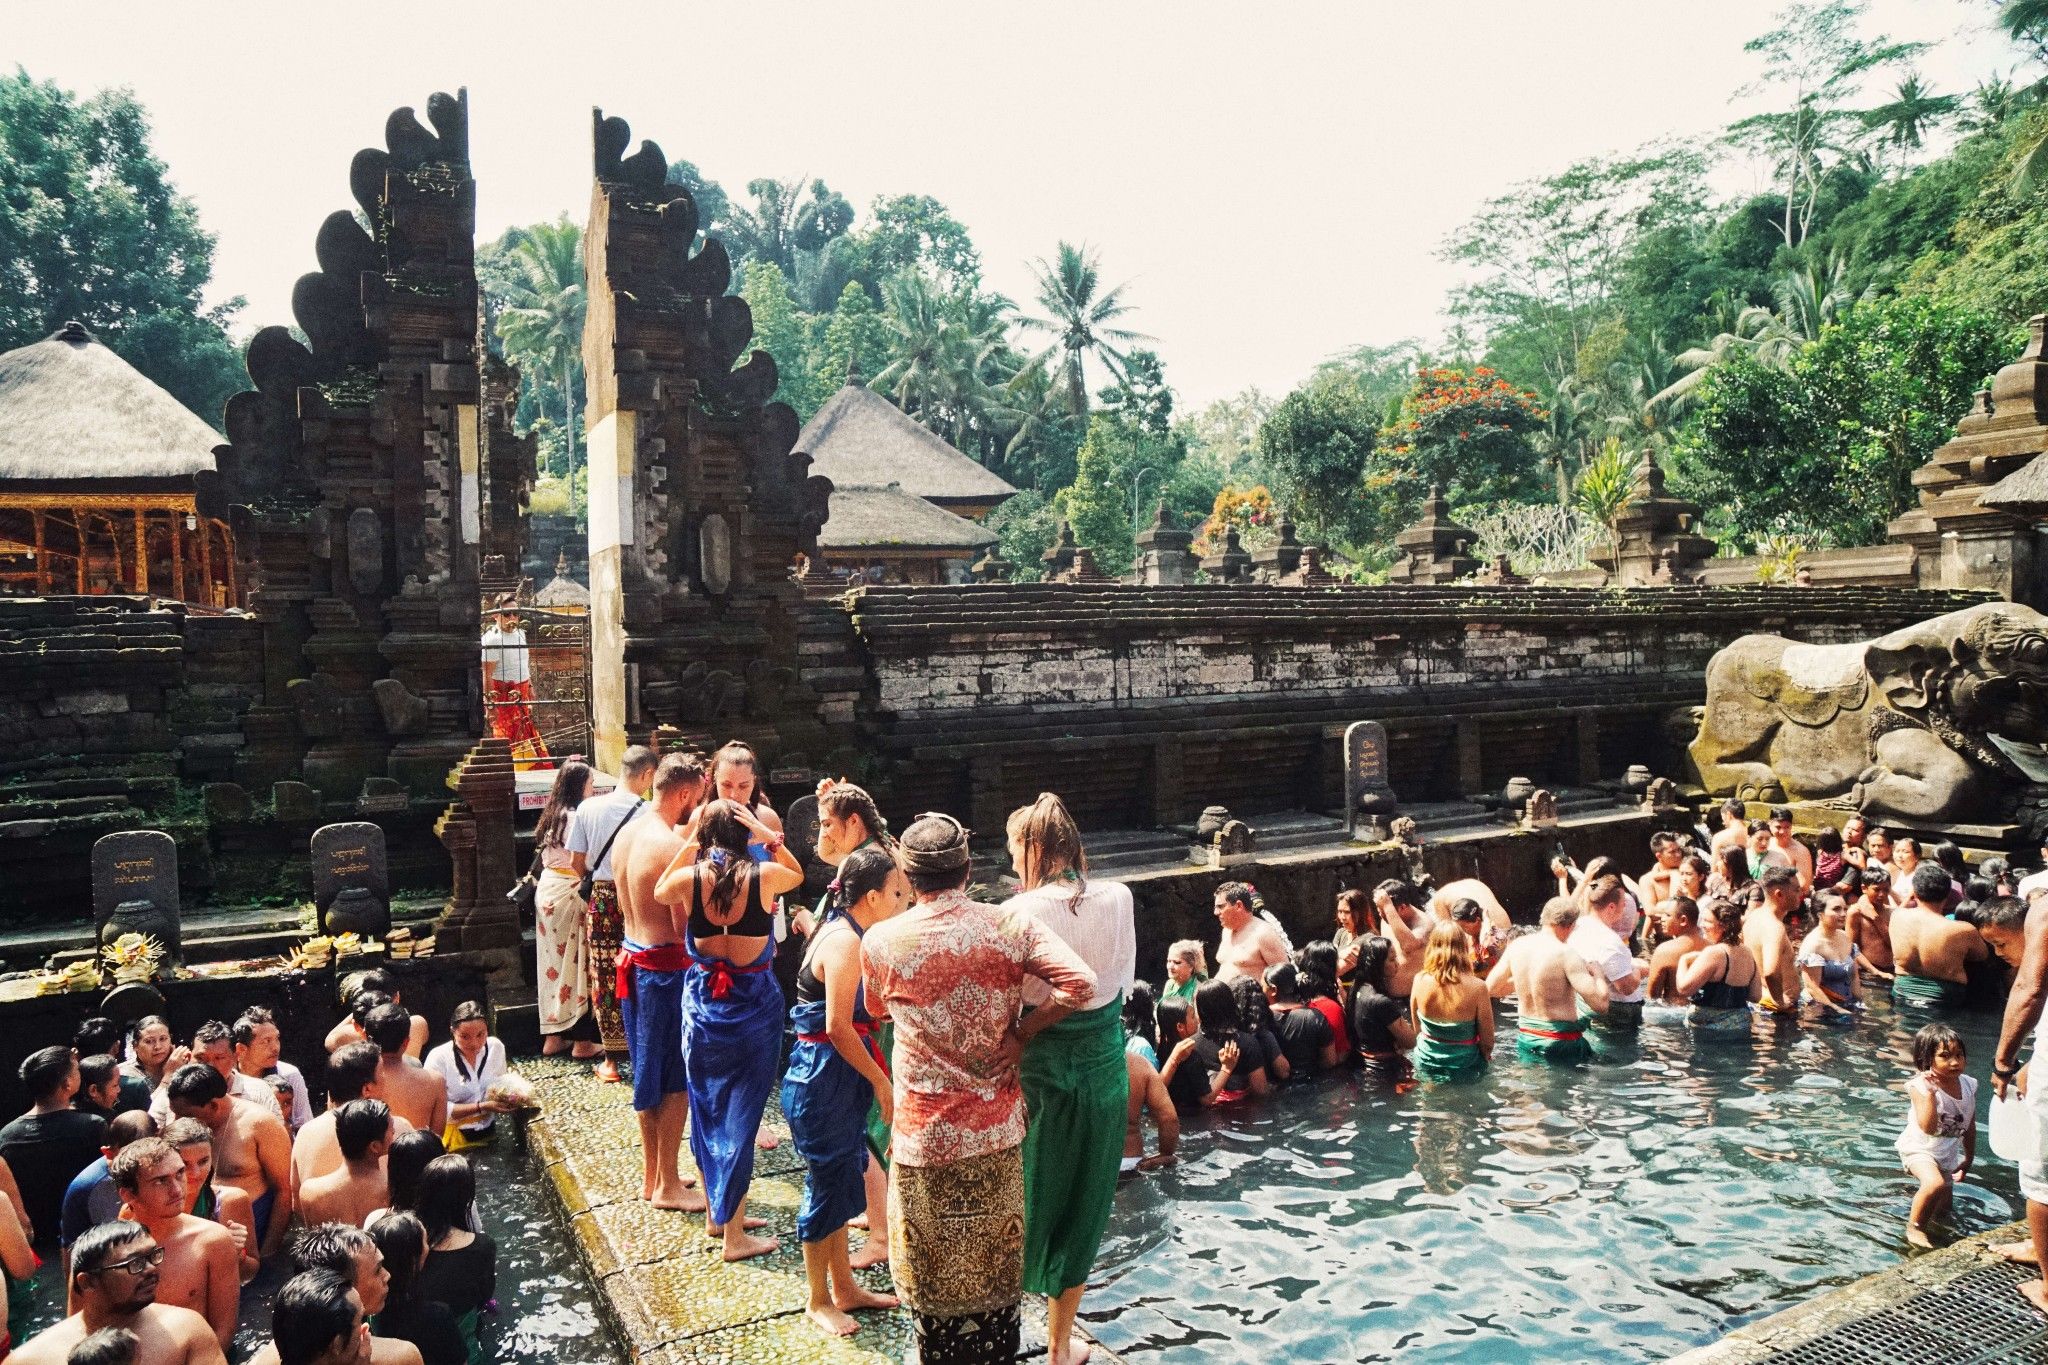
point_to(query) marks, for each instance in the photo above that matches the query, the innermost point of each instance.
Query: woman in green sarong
(1453, 1012)
(1076, 1087)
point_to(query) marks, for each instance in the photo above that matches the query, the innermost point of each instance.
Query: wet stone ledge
(671, 1299)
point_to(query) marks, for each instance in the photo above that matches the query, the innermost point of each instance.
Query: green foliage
(1318, 446)
(534, 291)
(1824, 449)
(854, 335)
(1025, 527)
(783, 332)
(1104, 504)
(1078, 317)
(1602, 489)
(92, 229)
(1468, 430)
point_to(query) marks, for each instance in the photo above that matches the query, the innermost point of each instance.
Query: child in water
(1940, 1141)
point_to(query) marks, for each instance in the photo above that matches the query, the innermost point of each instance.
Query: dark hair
(196, 1083)
(1879, 831)
(636, 760)
(571, 787)
(389, 1027)
(1318, 963)
(1777, 874)
(447, 1190)
(329, 1246)
(411, 1153)
(1979, 889)
(358, 1124)
(1141, 1009)
(98, 1034)
(43, 1072)
(132, 1124)
(1931, 1039)
(248, 1021)
(845, 799)
(1285, 979)
(719, 831)
(1236, 891)
(138, 1156)
(861, 872)
(739, 753)
(1756, 827)
(2002, 912)
(351, 1068)
(1465, 908)
(1662, 840)
(97, 1069)
(1698, 863)
(1373, 952)
(1216, 1010)
(1358, 905)
(1781, 813)
(1829, 840)
(98, 1243)
(211, 1032)
(366, 1002)
(1252, 1014)
(468, 1012)
(1686, 907)
(108, 1346)
(677, 770)
(1904, 839)
(1931, 884)
(935, 854)
(311, 1313)
(403, 1240)
(368, 979)
(1726, 914)
(1950, 857)
(1733, 807)
(1399, 892)
(1170, 1015)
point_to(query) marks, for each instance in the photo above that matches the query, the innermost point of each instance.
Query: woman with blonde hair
(561, 930)
(1453, 1012)
(1076, 1087)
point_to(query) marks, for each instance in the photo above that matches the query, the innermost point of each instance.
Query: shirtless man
(201, 1268)
(1148, 1094)
(1932, 953)
(1405, 925)
(351, 1075)
(350, 1029)
(1763, 933)
(1785, 846)
(1870, 917)
(1680, 925)
(348, 1255)
(213, 1044)
(319, 1320)
(652, 1008)
(114, 1279)
(224, 1204)
(1660, 883)
(415, 1094)
(358, 1188)
(1250, 945)
(1549, 981)
(1446, 897)
(1734, 831)
(251, 1148)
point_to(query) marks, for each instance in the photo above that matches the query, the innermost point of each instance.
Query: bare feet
(685, 1201)
(859, 1298)
(2019, 1253)
(766, 1140)
(746, 1225)
(873, 1252)
(1917, 1237)
(860, 1221)
(583, 1052)
(2037, 1295)
(743, 1248)
(605, 1071)
(831, 1321)
(553, 1045)
(1076, 1352)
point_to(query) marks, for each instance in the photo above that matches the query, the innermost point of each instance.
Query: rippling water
(1626, 1210)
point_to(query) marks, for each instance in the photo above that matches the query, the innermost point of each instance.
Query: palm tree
(1912, 113)
(541, 323)
(1808, 300)
(1078, 317)
(916, 315)
(1995, 100)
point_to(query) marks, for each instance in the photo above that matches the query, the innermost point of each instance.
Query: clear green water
(1626, 1210)
(548, 1312)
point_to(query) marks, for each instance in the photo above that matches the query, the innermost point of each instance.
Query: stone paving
(673, 1300)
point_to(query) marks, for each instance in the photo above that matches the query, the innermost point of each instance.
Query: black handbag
(527, 888)
(589, 882)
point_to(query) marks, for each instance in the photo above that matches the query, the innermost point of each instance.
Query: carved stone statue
(1927, 723)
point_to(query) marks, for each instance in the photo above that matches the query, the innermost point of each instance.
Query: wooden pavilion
(104, 480)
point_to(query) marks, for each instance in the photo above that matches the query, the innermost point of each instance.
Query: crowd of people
(172, 1180)
(965, 1081)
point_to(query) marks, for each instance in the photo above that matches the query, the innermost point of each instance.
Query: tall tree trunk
(569, 412)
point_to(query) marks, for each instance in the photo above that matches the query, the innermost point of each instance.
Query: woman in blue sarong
(835, 1069)
(732, 1006)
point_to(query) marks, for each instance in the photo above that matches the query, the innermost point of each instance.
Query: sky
(1272, 182)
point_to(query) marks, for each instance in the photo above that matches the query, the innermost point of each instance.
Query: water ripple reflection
(1629, 1210)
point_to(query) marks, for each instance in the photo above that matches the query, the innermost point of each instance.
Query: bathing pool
(1630, 1209)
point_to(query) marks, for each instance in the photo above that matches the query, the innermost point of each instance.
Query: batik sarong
(1076, 1092)
(732, 1041)
(510, 705)
(956, 1248)
(561, 951)
(606, 933)
(826, 1103)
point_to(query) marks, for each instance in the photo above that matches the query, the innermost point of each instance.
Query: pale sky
(1272, 180)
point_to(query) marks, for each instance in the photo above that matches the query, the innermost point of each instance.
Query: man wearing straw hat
(508, 683)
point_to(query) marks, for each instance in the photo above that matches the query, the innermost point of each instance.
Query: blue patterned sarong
(732, 1036)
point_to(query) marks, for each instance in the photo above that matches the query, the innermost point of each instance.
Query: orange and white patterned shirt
(949, 972)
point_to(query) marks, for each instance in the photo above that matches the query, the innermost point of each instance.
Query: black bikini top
(756, 921)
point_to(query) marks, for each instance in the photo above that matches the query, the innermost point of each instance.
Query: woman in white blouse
(469, 1064)
(1076, 1087)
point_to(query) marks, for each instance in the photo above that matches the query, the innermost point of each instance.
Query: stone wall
(1142, 705)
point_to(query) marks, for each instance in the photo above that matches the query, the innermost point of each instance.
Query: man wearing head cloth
(949, 972)
(508, 683)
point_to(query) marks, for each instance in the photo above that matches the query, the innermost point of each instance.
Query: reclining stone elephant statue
(1922, 724)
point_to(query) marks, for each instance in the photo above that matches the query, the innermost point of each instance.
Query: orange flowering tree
(1469, 430)
(1250, 510)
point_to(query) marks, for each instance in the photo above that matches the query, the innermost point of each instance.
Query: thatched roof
(2023, 492)
(72, 411)
(888, 519)
(861, 438)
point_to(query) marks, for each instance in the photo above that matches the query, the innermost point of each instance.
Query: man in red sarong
(508, 684)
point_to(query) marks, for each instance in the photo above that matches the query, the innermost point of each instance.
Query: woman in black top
(1255, 1025)
(1304, 1035)
(407, 1316)
(1380, 1027)
(462, 1266)
(1216, 1018)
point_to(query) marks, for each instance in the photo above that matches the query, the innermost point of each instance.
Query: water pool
(1626, 1210)
(548, 1308)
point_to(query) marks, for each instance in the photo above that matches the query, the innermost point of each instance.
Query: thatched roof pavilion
(861, 439)
(911, 539)
(102, 477)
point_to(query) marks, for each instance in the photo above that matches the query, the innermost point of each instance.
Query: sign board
(1365, 769)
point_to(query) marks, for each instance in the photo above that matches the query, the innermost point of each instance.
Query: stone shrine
(135, 889)
(351, 879)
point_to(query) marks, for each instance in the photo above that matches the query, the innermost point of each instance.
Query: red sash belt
(722, 972)
(663, 957)
(1571, 1037)
(866, 1029)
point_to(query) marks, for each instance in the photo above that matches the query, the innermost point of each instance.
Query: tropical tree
(1079, 315)
(1913, 111)
(540, 318)
(783, 222)
(1603, 486)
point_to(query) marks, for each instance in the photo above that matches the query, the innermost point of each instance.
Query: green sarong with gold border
(1076, 1099)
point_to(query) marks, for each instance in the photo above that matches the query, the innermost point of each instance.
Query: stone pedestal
(1163, 558)
(1435, 549)
(476, 829)
(1654, 537)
